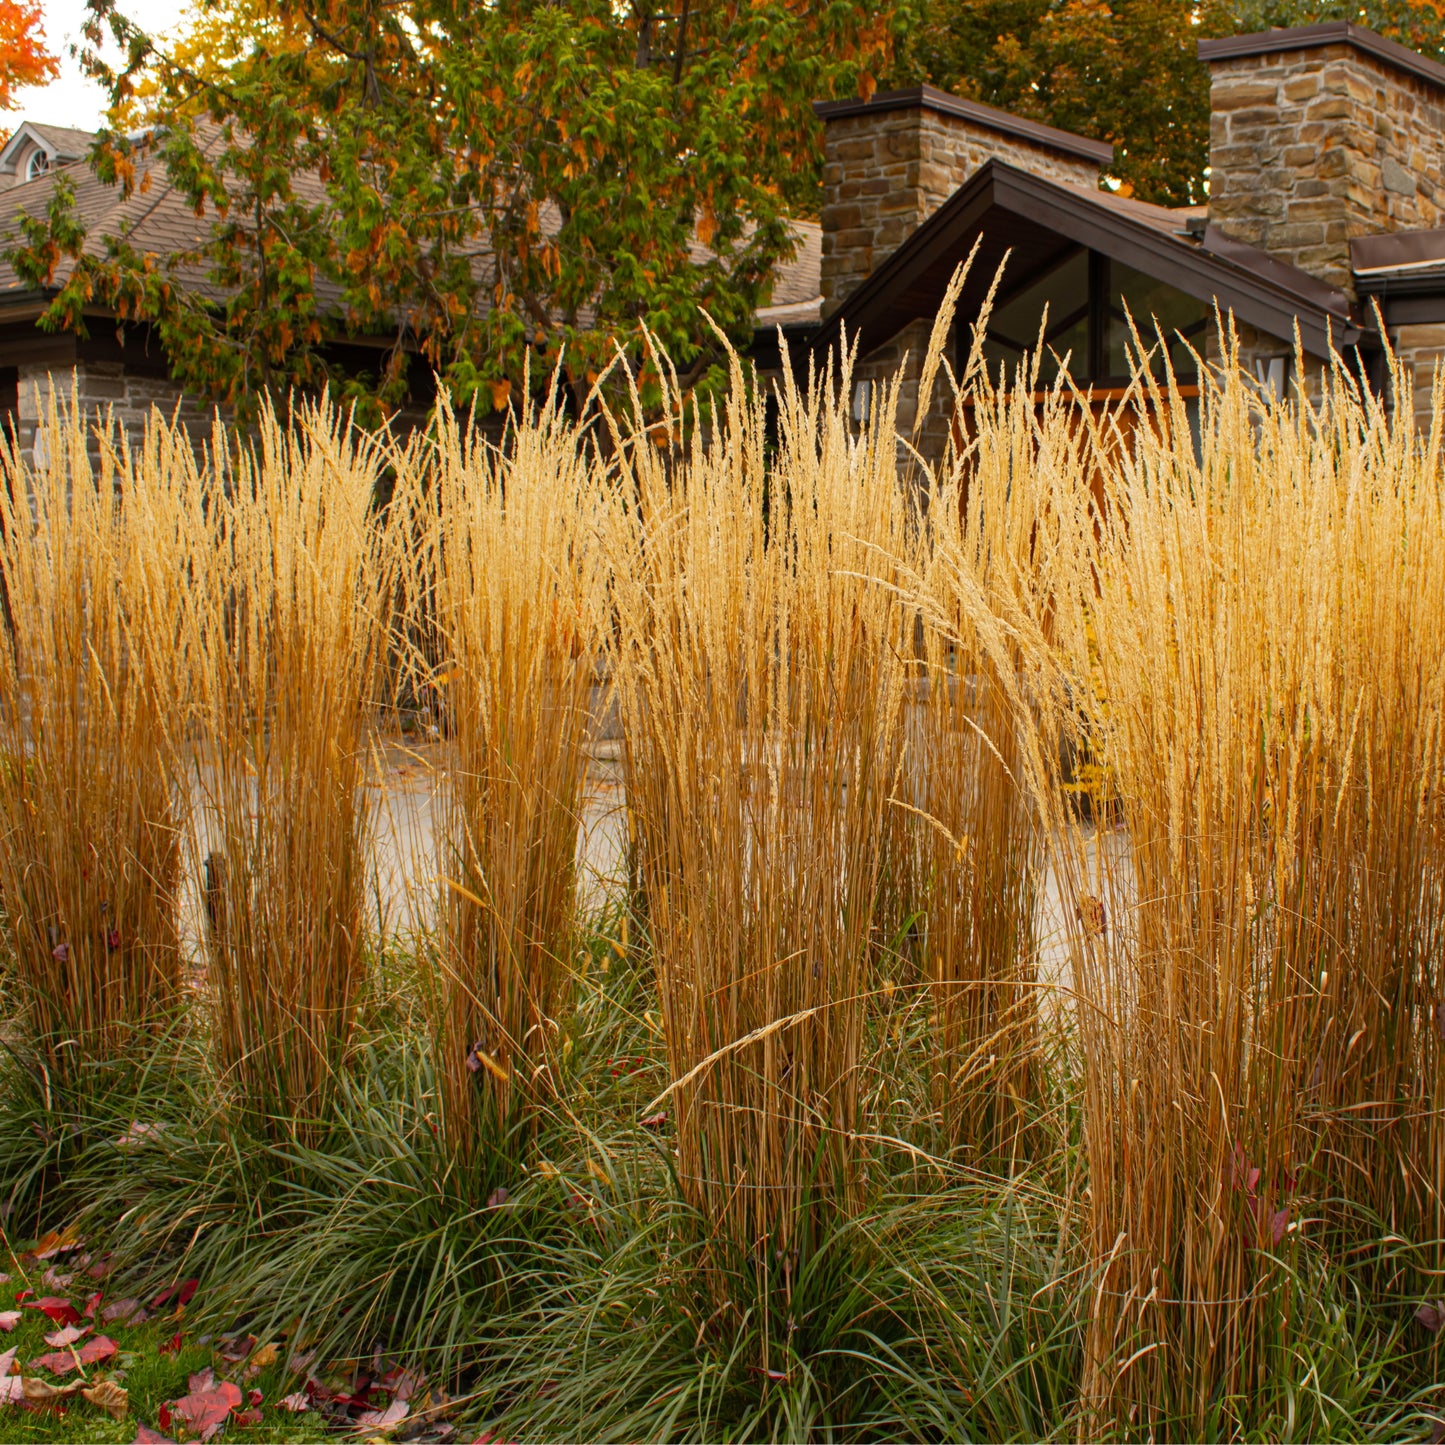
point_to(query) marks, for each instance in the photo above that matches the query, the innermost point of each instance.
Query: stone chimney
(1321, 134)
(891, 161)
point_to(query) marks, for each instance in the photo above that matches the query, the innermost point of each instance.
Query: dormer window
(37, 165)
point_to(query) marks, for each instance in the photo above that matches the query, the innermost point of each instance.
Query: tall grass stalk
(761, 673)
(93, 680)
(1259, 985)
(296, 581)
(1003, 549)
(513, 599)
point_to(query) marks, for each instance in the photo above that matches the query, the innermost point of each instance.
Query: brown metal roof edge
(928, 97)
(1281, 273)
(1397, 248)
(1261, 296)
(1332, 32)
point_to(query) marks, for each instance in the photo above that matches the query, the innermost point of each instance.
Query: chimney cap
(928, 97)
(1334, 32)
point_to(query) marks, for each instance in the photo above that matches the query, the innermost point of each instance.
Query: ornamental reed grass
(1260, 989)
(1004, 547)
(512, 598)
(296, 581)
(761, 672)
(93, 672)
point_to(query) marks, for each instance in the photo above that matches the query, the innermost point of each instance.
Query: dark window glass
(1014, 326)
(1160, 313)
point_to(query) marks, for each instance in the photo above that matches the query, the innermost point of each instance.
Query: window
(37, 165)
(1089, 300)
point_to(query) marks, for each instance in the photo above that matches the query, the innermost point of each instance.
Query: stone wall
(1310, 147)
(886, 172)
(1421, 349)
(104, 389)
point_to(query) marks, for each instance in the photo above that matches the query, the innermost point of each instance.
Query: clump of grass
(295, 573)
(93, 691)
(760, 670)
(1000, 552)
(512, 592)
(1268, 712)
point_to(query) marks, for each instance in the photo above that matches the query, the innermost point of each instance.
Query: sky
(71, 99)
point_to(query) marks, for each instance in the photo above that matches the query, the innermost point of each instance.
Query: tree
(24, 57)
(1125, 71)
(502, 187)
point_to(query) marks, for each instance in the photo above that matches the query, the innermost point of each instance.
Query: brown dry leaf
(56, 1242)
(41, 1392)
(108, 1396)
(266, 1355)
(1092, 916)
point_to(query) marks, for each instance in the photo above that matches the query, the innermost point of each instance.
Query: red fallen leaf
(201, 1380)
(56, 1279)
(181, 1293)
(1431, 1317)
(23, 1295)
(102, 1267)
(62, 1362)
(498, 1197)
(248, 1417)
(68, 1335)
(60, 1310)
(1437, 1432)
(1278, 1224)
(203, 1412)
(9, 1319)
(144, 1435)
(171, 1347)
(255, 1397)
(124, 1312)
(297, 1403)
(91, 1305)
(165, 1416)
(655, 1121)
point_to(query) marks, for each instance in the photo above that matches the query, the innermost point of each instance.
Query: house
(1325, 219)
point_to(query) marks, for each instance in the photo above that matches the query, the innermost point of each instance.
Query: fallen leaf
(297, 1403)
(655, 1121)
(204, 1411)
(386, 1420)
(62, 1362)
(108, 1396)
(57, 1242)
(267, 1355)
(56, 1279)
(498, 1197)
(91, 1305)
(60, 1310)
(9, 1319)
(248, 1417)
(68, 1335)
(181, 1293)
(1431, 1317)
(42, 1392)
(299, 1361)
(402, 1384)
(144, 1435)
(171, 1347)
(254, 1397)
(124, 1312)
(1279, 1224)
(200, 1380)
(12, 1390)
(237, 1349)
(102, 1267)
(138, 1133)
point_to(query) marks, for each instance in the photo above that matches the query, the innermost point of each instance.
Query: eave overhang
(1008, 210)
